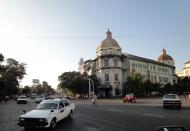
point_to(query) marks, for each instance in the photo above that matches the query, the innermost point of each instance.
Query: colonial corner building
(186, 70)
(112, 67)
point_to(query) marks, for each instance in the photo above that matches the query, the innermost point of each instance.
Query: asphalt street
(104, 117)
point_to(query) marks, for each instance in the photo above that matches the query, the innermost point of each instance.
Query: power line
(94, 36)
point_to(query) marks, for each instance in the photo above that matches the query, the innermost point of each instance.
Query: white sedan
(38, 99)
(22, 99)
(47, 114)
(171, 100)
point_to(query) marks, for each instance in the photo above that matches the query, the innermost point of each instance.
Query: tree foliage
(11, 72)
(77, 83)
(137, 86)
(43, 88)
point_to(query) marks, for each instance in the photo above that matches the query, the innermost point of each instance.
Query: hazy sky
(50, 36)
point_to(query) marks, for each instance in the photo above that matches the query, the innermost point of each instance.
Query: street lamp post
(89, 81)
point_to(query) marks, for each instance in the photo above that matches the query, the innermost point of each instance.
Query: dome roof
(109, 42)
(164, 57)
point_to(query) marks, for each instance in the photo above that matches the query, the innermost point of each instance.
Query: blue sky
(52, 35)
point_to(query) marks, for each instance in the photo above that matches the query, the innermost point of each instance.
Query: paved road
(104, 117)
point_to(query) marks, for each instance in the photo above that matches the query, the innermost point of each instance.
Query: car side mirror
(24, 111)
(170, 128)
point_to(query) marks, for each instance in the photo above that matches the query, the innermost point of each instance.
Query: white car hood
(37, 114)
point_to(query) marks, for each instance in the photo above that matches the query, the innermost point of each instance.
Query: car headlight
(21, 119)
(42, 120)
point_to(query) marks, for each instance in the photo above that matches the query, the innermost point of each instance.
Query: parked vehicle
(47, 114)
(38, 99)
(171, 100)
(22, 100)
(129, 98)
(33, 95)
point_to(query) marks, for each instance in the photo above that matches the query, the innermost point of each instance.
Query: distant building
(186, 70)
(113, 67)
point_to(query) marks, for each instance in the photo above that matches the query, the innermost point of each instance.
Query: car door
(61, 111)
(67, 107)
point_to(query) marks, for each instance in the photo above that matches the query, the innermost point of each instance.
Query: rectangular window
(151, 78)
(160, 79)
(133, 64)
(106, 77)
(115, 62)
(116, 77)
(154, 78)
(106, 64)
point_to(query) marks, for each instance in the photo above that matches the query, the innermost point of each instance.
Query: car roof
(170, 94)
(22, 96)
(54, 100)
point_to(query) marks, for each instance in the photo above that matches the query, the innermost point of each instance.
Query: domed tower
(108, 46)
(165, 58)
(109, 66)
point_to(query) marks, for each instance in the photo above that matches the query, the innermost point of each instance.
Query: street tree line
(39, 89)
(138, 87)
(78, 84)
(11, 73)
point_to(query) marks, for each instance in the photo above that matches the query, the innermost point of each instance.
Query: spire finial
(164, 51)
(108, 34)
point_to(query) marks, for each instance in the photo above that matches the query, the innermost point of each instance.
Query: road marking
(114, 110)
(152, 115)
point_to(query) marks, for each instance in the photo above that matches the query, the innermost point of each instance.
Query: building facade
(113, 67)
(186, 70)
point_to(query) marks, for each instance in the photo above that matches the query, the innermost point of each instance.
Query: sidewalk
(140, 101)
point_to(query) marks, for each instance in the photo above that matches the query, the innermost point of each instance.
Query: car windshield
(22, 97)
(47, 106)
(170, 97)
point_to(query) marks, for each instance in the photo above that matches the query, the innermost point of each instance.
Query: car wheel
(53, 123)
(71, 114)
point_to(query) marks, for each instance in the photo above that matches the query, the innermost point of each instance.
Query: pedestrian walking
(6, 99)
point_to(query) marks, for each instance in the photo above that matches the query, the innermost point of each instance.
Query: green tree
(26, 90)
(47, 88)
(11, 73)
(2, 69)
(76, 83)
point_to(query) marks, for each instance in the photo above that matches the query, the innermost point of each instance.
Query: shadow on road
(61, 125)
